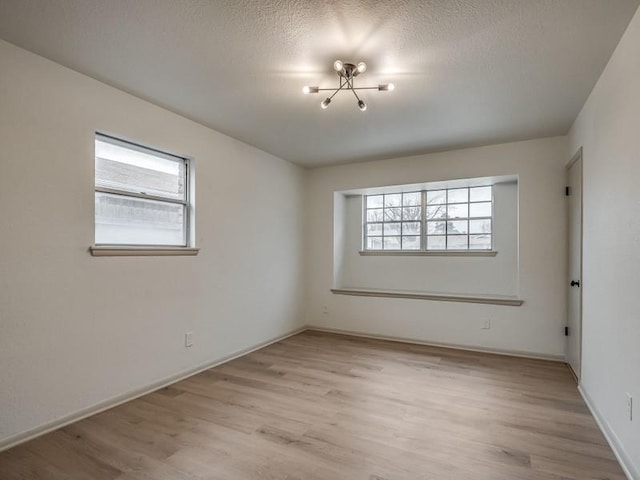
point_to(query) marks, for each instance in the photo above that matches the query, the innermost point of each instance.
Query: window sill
(430, 253)
(100, 251)
(442, 297)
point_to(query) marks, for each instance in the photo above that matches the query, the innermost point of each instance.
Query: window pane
(436, 243)
(413, 198)
(134, 171)
(411, 228)
(374, 243)
(374, 215)
(374, 229)
(458, 211)
(436, 228)
(393, 200)
(391, 229)
(411, 243)
(458, 195)
(480, 242)
(412, 213)
(480, 226)
(480, 209)
(480, 194)
(391, 243)
(136, 221)
(374, 201)
(460, 226)
(436, 211)
(457, 242)
(392, 214)
(436, 197)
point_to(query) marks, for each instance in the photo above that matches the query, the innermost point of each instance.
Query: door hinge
(567, 191)
(566, 331)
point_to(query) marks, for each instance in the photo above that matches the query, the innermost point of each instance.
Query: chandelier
(347, 72)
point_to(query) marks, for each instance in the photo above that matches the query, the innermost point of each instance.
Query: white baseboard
(32, 433)
(497, 351)
(624, 459)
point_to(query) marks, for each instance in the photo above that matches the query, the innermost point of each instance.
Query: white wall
(76, 330)
(536, 327)
(608, 129)
(460, 275)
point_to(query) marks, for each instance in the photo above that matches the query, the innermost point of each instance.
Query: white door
(574, 281)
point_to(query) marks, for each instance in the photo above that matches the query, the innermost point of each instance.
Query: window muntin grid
(449, 219)
(394, 221)
(459, 218)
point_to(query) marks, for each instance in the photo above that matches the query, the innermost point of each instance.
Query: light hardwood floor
(320, 406)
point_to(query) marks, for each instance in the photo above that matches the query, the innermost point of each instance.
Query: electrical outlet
(486, 324)
(325, 310)
(188, 339)
(629, 407)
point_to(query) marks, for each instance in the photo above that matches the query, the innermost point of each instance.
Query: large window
(446, 219)
(141, 195)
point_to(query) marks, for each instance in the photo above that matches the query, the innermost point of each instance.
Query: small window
(446, 219)
(141, 195)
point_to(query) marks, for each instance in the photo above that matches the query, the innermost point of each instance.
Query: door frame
(577, 157)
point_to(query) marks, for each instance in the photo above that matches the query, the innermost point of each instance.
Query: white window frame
(423, 222)
(101, 249)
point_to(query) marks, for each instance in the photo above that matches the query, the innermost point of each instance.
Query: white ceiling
(467, 72)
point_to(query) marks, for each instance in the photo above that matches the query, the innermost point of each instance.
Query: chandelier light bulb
(386, 87)
(361, 67)
(338, 65)
(307, 89)
(362, 106)
(325, 103)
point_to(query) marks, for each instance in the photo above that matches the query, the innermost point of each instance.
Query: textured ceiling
(467, 72)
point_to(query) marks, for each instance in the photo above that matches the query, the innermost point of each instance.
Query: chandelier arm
(353, 90)
(334, 93)
(350, 88)
(333, 89)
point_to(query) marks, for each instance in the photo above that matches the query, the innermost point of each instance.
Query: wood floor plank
(322, 406)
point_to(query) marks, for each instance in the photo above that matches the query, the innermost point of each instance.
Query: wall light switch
(486, 324)
(188, 339)
(629, 407)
